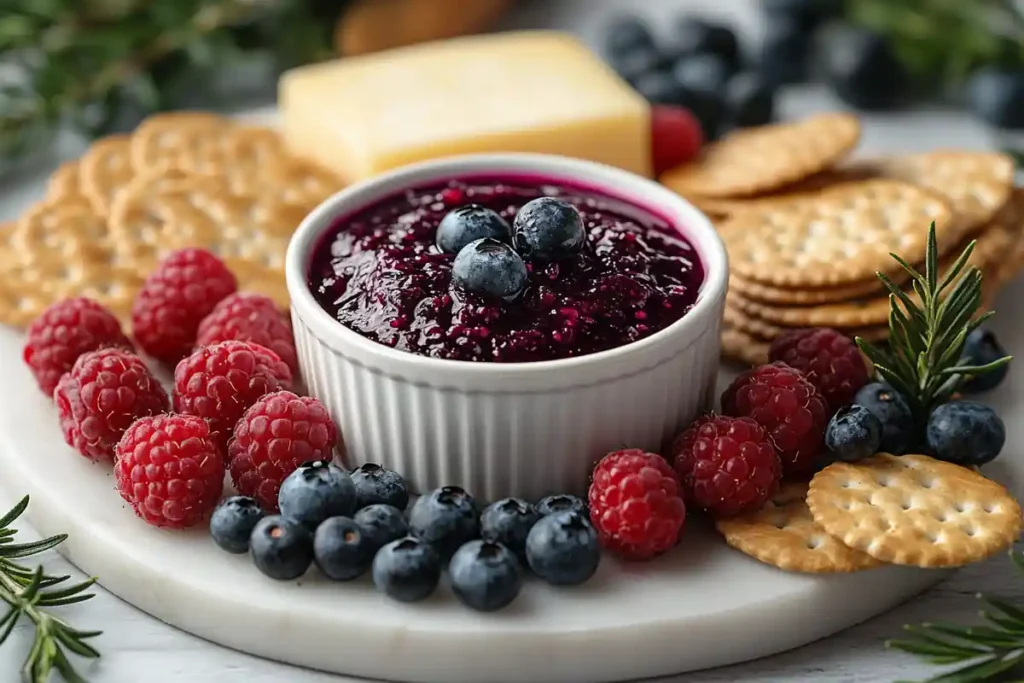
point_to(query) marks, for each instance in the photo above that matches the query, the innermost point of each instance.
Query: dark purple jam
(379, 273)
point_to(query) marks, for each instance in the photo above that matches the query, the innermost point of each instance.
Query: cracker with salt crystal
(783, 534)
(844, 236)
(762, 159)
(105, 169)
(914, 510)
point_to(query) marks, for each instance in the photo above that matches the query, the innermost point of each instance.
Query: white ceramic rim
(616, 183)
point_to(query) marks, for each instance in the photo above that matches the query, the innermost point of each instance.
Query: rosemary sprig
(986, 652)
(29, 593)
(926, 336)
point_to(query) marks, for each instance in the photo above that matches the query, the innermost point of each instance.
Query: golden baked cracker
(756, 291)
(914, 510)
(175, 138)
(977, 184)
(762, 159)
(990, 249)
(784, 535)
(106, 168)
(250, 231)
(740, 347)
(64, 181)
(844, 236)
(768, 331)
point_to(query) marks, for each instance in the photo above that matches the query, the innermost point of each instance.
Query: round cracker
(784, 534)
(914, 510)
(757, 160)
(977, 184)
(990, 249)
(64, 181)
(756, 291)
(768, 331)
(740, 347)
(844, 236)
(175, 139)
(105, 169)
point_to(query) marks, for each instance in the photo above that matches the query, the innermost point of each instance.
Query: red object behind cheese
(676, 137)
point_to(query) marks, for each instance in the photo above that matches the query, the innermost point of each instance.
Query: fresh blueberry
(810, 14)
(485, 575)
(853, 433)
(382, 524)
(696, 36)
(562, 549)
(445, 518)
(561, 502)
(491, 268)
(316, 491)
(703, 77)
(864, 71)
(468, 224)
(982, 348)
(749, 101)
(548, 229)
(509, 522)
(342, 549)
(281, 548)
(899, 432)
(996, 95)
(626, 34)
(660, 87)
(407, 570)
(785, 53)
(965, 433)
(232, 523)
(376, 484)
(634, 65)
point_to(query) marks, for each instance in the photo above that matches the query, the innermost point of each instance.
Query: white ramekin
(508, 429)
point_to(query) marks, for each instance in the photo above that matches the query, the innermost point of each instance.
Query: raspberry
(635, 504)
(65, 331)
(830, 360)
(277, 434)
(176, 296)
(169, 470)
(785, 403)
(253, 318)
(676, 137)
(105, 392)
(727, 465)
(218, 383)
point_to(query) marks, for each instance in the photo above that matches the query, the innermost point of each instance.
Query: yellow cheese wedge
(531, 91)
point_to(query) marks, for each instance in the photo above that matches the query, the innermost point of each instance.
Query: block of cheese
(530, 91)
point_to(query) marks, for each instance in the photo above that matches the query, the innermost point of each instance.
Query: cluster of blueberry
(961, 432)
(491, 256)
(349, 524)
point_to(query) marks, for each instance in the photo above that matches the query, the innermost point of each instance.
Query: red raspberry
(169, 470)
(218, 383)
(676, 137)
(635, 504)
(830, 360)
(65, 331)
(176, 296)
(785, 403)
(274, 437)
(253, 318)
(727, 465)
(105, 392)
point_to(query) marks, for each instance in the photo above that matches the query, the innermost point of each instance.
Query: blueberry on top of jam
(380, 273)
(490, 267)
(548, 229)
(468, 224)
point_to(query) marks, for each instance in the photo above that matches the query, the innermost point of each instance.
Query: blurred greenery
(103, 64)
(943, 41)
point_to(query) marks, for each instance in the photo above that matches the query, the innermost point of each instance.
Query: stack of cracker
(180, 180)
(908, 510)
(807, 230)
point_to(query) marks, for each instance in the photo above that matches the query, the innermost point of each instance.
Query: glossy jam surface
(379, 273)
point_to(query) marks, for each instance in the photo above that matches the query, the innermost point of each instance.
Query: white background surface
(138, 648)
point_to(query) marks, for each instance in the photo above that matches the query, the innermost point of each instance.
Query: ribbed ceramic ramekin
(508, 429)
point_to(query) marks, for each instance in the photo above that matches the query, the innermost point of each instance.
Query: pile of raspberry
(230, 409)
(772, 423)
